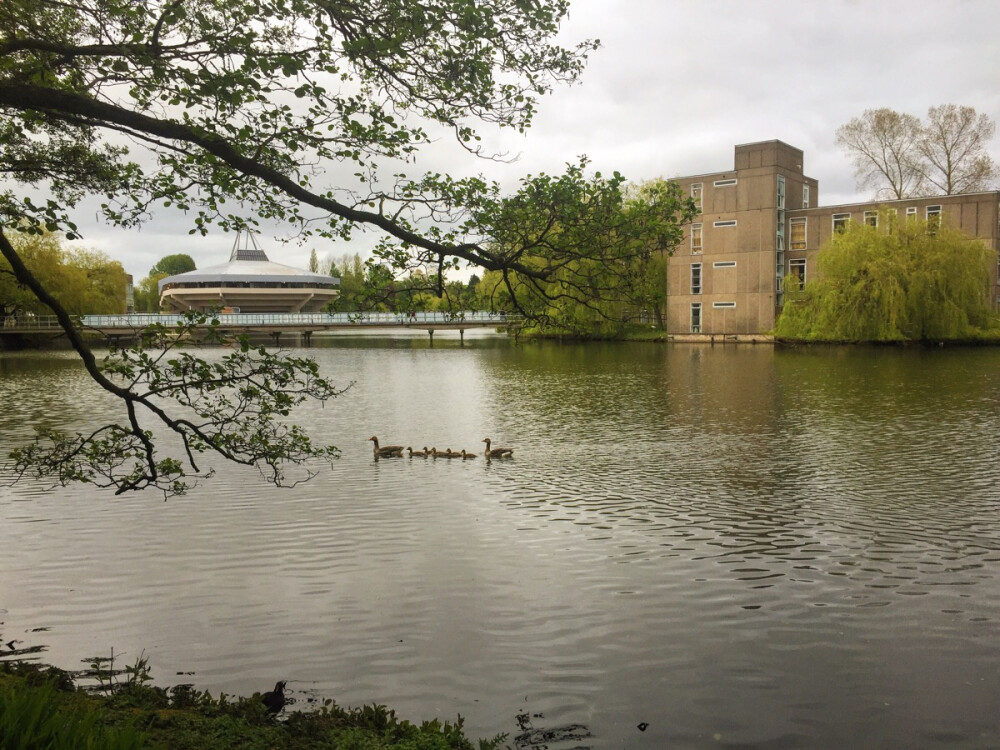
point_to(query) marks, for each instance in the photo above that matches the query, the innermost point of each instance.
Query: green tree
(899, 282)
(243, 112)
(350, 269)
(171, 265)
(85, 281)
(622, 235)
(147, 293)
(313, 261)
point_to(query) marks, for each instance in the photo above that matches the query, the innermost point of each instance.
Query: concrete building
(248, 283)
(761, 227)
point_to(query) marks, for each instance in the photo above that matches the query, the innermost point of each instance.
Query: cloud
(676, 86)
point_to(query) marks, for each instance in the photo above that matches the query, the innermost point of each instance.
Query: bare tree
(953, 145)
(885, 148)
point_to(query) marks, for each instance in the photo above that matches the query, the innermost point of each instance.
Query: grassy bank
(40, 707)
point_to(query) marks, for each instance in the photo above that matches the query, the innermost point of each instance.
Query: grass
(40, 707)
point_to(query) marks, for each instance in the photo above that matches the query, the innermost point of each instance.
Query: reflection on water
(692, 547)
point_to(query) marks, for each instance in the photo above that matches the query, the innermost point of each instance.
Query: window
(781, 192)
(724, 304)
(727, 223)
(797, 270)
(871, 218)
(933, 219)
(805, 196)
(840, 222)
(695, 238)
(696, 194)
(724, 183)
(911, 212)
(695, 317)
(696, 278)
(724, 264)
(798, 234)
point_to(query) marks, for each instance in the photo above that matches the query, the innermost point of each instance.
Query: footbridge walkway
(274, 324)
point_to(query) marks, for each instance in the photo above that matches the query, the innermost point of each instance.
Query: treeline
(371, 285)
(84, 281)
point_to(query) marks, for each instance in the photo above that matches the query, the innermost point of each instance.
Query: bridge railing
(244, 320)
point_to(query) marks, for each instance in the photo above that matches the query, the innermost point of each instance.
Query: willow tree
(84, 281)
(901, 281)
(308, 114)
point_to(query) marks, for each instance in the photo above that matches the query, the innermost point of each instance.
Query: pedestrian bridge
(273, 324)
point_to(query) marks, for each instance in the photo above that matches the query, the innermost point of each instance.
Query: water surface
(736, 546)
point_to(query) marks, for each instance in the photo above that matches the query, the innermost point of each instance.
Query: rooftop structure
(249, 282)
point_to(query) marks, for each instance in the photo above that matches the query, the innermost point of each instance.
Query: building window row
(724, 183)
(726, 223)
(696, 278)
(840, 221)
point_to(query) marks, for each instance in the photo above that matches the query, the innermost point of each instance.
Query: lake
(731, 547)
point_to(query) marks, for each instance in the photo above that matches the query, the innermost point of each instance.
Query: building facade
(761, 228)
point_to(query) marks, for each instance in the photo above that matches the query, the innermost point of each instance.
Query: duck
(497, 452)
(274, 700)
(466, 456)
(386, 451)
(447, 453)
(419, 454)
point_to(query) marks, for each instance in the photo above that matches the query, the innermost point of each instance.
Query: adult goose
(497, 452)
(386, 451)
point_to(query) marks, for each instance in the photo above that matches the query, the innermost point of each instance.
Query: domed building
(248, 283)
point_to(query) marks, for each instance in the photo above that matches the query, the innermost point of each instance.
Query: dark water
(735, 547)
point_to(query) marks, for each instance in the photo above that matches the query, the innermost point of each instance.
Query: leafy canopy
(84, 281)
(170, 265)
(901, 281)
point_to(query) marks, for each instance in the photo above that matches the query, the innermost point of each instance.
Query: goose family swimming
(395, 451)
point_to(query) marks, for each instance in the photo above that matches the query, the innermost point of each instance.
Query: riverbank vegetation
(902, 281)
(40, 707)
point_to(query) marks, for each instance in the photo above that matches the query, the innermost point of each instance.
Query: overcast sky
(678, 83)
